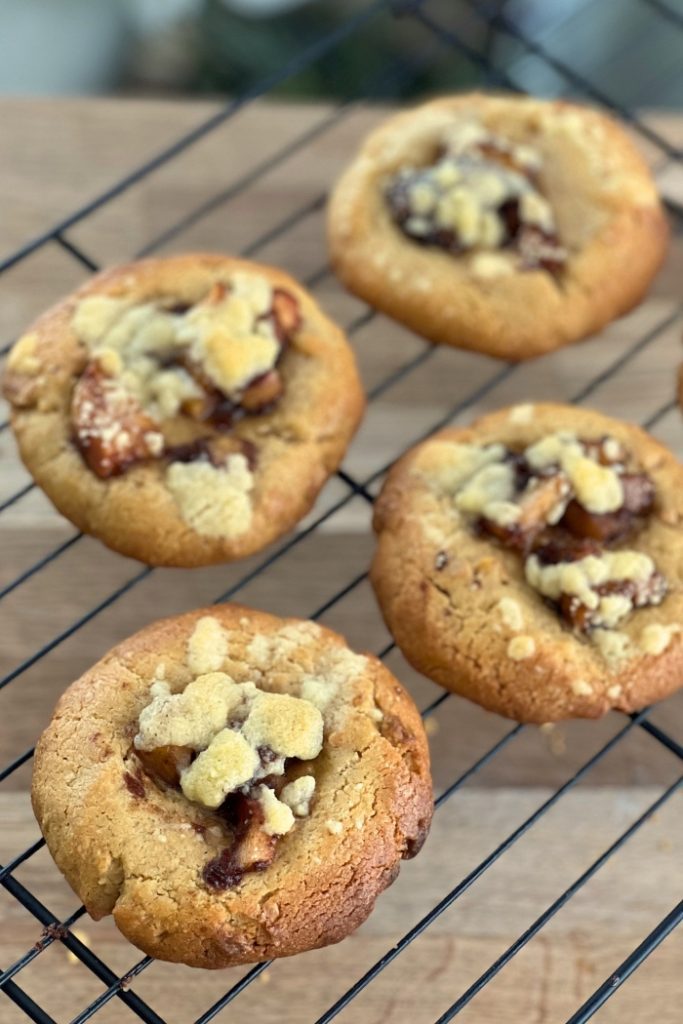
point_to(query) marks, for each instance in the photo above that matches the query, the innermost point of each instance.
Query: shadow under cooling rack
(470, 32)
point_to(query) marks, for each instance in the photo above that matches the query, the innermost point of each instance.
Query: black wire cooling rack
(487, 25)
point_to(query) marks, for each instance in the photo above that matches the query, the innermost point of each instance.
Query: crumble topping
(598, 487)
(206, 365)
(298, 795)
(563, 503)
(239, 734)
(601, 589)
(22, 357)
(521, 647)
(523, 413)
(232, 338)
(278, 818)
(511, 614)
(190, 718)
(240, 750)
(207, 647)
(655, 638)
(215, 501)
(614, 647)
(481, 195)
(227, 763)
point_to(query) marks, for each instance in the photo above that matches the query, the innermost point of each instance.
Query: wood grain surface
(55, 155)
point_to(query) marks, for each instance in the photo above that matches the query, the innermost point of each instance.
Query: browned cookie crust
(185, 410)
(506, 225)
(214, 886)
(543, 583)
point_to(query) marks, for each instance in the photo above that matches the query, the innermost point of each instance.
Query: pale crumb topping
(191, 718)
(95, 315)
(517, 496)
(207, 647)
(612, 449)
(155, 442)
(290, 726)
(110, 361)
(613, 646)
(215, 501)
(656, 637)
(598, 488)
(297, 795)
(335, 828)
(265, 648)
(580, 579)
(489, 265)
(319, 692)
(523, 413)
(22, 357)
(241, 735)
(511, 613)
(481, 194)
(229, 339)
(614, 691)
(228, 763)
(489, 493)
(228, 334)
(450, 464)
(329, 672)
(521, 647)
(278, 817)
(581, 688)
(464, 190)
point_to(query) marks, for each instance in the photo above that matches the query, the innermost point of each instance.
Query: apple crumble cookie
(184, 410)
(233, 787)
(533, 562)
(504, 224)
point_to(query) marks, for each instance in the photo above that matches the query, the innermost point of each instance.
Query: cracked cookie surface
(232, 786)
(185, 410)
(506, 225)
(533, 562)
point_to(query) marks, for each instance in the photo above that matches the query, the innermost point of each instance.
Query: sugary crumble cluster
(481, 193)
(239, 750)
(240, 735)
(207, 365)
(563, 504)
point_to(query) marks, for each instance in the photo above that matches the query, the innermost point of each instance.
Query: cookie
(185, 410)
(232, 786)
(507, 225)
(533, 562)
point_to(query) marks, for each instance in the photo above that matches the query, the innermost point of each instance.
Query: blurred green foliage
(235, 52)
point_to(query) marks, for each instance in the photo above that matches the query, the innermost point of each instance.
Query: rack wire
(441, 38)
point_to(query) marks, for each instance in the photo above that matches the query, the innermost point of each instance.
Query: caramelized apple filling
(564, 504)
(157, 371)
(481, 193)
(238, 752)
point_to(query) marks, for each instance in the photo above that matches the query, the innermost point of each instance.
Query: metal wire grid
(443, 39)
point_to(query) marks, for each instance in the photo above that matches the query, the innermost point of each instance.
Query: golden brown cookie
(502, 224)
(184, 410)
(232, 786)
(533, 562)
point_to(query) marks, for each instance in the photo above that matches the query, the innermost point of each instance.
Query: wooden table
(56, 155)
